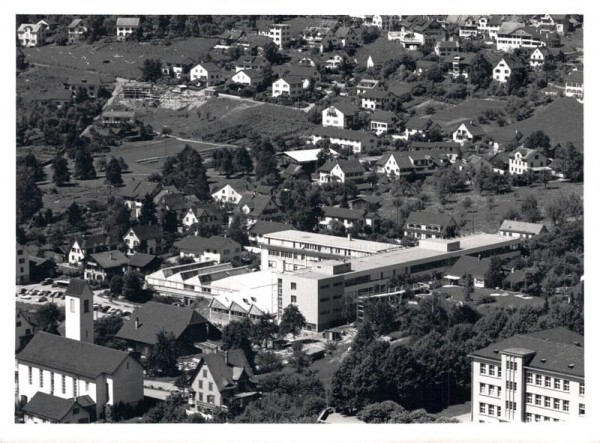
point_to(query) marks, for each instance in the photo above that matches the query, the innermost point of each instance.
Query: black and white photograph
(299, 219)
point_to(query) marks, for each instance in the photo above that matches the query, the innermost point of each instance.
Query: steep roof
(197, 244)
(522, 227)
(147, 232)
(347, 166)
(138, 189)
(470, 265)
(208, 66)
(256, 203)
(76, 22)
(154, 317)
(430, 218)
(384, 116)
(473, 128)
(140, 260)
(418, 123)
(78, 288)
(110, 259)
(223, 373)
(262, 227)
(346, 107)
(253, 73)
(72, 356)
(344, 213)
(95, 240)
(575, 77)
(53, 408)
(555, 350)
(377, 94)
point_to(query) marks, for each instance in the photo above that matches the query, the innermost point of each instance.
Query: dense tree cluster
(185, 170)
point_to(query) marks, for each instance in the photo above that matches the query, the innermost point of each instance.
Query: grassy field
(121, 59)
(466, 110)
(503, 298)
(488, 219)
(217, 116)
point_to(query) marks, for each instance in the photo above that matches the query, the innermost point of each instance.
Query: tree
(84, 166)
(518, 79)
(185, 170)
(113, 172)
(381, 316)
(480, 71)
(292, 321)
(105, 331)
(116, 284)
(30, 162)
(29, 196)
(151, 70)
(74, 215)
(227, 167)
(61, 171)
(148, 212)
(117, 221)
(265, 329)
(300, 359)
(529, 209)
(124, 166)
(538, 139)
(468, 287)
(237, 335)
(572, 163)
(49, 317)
(494, 276)
(170, 221)
(162, 358)
(237, 229)
(242, 161)
(380, 412)
(133, 283)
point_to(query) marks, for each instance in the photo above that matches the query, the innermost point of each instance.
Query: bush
(486, 299)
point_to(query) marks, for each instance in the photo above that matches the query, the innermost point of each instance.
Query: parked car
(43, 300)
(26, 297)
(48, 281)
(22, 291)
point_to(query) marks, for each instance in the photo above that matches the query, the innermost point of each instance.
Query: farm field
(489, 219)
(120, 59)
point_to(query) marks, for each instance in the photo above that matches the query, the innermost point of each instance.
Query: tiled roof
(262, 227)
(347, 166)
(575, 77)
(78, 288)
(109, 259)
(470, 265)
(418, 123)
(522, 227)
(53, 408)
(72, 356)
(209, 66)
(128, 21)
(95, 240)
(256, 203)
(347, 134)
(555, 351)
(76, 22)
(377, 94)
(345, 107)
(343, 213)
(197, 244)
(147, 232)
(154, 317)
(140, 260)
(384, 116)
(430, 218)
(138, 189)
(223, 373)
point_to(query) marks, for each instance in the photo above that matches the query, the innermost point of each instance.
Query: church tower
(79, 314)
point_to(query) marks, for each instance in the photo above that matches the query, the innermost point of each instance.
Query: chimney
(349, 237)
(137, 323)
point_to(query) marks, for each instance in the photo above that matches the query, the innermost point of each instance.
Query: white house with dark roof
(263, 227)
(574, 85)
(288, 86)
(342, 171)
(206, 73)
(418, 126)
(406, 163)
(228, 194)
(104, 265)
(424, 224)
(206, 215)
(82, 247)
(347, 217)
(47, 408)
(382, 122)
(259, 207)
(248, 77)
(476, 267)
(505, 67)
(538, 57)
(144, 238)
(215, 248)
(357, 141)
(523, 160)
(467, 132)
(342, 115)
(31, 35)
(445, 48)
(126, 26)
(378, 99)
(76, 31)
(537, 377)
(520, 229)
(134, 193)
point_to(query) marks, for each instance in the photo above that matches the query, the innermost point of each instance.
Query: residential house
(170, 199)
(505, 68)
(537, 377)
(144, 238)
(229, 194)
(288, 87)
(348, 217)
(538, 57)
(574, 85)
(143, 263)
(342, 171)
(383, 122)
(308, 74)
(47, 408)
(24, 329)
(419, 126)
(222, 380)
(476, 267)
(428, 31)
(31, 35)
(467, 132)
(445, 48)
(202, 249)
(76, 32)
(259, 207)
(135, 191)
(524, 160)
(68, 369)
(467, 27)
(127, 26)
(357, 141)
(176, 65)
(560, 22)
(229, 38)
(22, 265)
(82, 246)
(204, 215)
(422, 67)
(262, 227)
(346, 36)
(460, 64)
(367, 84)
(343, 114)
(490, 25)
(118, 118)
(57, 97)
(383, 22)
(378, 99)
(514, 35)
(105, 265)
(448, 149)
(207, 74)
(85, 84)
(424, 224)
(398, 164)
(148, 320)
(520, 229)
(279, 33)
(255, 62)
(501, 162)
(334, 61)
(248, 77)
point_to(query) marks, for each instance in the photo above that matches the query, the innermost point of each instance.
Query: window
(482, 388)
(210, 386)
(64, 384)
(491, 409)
(41, 378)
(30, 374)
(200, 384)
(538, 379)
(499, 371)
(548, 381)
(294, 299)
(557, 383)
(292, 286)
(490, 389)
(528, 417)
(538, 400)
(482, 408)
(582, 389)
(547, 402)
(498, 411)
(529, 377)
(566, 385)
(482, 368)
(581, 409)
(529, 397)
(498, 391)
(72, 305)
(200, 396)
(538, 417)
(492, 370)
(566, 405)
(86, 306)
(210, 399)
(204, 373)
(556, 403)
(52, 382)
(87, 386)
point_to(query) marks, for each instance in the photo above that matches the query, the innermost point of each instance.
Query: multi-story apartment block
(529, 378)
(280, 34)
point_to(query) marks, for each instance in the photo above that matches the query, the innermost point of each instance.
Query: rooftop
(331, 241)
(53, 408)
